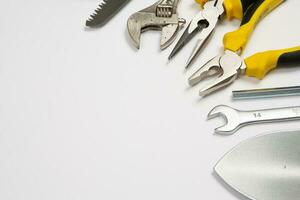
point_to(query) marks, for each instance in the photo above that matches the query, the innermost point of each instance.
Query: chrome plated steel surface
(203, 23)
(266, 93)
(236, 118)
(160, 16)
(225, 68)
(265, 167)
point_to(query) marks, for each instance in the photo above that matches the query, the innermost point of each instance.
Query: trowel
(265, 167)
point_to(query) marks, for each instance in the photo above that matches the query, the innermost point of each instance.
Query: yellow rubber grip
(260, 64)
(233, 9)
(237, 40)
(201, 2)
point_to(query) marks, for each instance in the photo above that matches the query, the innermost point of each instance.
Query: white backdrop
(85, 116)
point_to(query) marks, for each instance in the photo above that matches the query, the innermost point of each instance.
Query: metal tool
(235, 119)
(266, 93)
(106, 10)
(206, 20)
(160, 16)
(230, 66)
(265, 167)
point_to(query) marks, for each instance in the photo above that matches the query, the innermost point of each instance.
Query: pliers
(206, 20)
(229, 66)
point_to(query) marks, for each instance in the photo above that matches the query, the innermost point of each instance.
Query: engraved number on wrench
(236, 119)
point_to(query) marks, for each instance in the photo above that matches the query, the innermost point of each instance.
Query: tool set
(273, 173)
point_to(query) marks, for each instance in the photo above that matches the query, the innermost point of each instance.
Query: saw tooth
(105, 10)
(102, 5)
(98, 11)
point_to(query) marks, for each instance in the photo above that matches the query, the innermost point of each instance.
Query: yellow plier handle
(260, 64)
(237, 40)
(202, 2)
(234, 9)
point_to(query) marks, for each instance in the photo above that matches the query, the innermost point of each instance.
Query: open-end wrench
(236, 118)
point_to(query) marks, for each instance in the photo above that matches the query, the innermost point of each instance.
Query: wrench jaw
(231, 117)
(160, 16)
(134, 27)
(142, 22)
(168, 35)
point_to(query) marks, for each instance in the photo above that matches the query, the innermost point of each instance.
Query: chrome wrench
(236, 118)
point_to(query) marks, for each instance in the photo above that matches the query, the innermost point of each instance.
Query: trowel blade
(265, 167)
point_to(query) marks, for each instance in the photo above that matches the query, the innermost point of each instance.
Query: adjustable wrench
(160, 16)
(236, 118)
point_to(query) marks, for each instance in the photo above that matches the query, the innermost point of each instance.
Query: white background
(83, 115)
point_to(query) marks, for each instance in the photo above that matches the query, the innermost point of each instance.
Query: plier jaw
(229, 66)
(203, 23)
(226, 68)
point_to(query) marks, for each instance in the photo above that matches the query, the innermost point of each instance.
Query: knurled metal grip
(166, 8)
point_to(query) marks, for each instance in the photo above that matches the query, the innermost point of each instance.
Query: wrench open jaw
(231, 117)
(160, 16)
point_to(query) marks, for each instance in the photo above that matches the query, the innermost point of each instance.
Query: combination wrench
(237, 118)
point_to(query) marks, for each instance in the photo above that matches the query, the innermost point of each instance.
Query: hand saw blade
(265, 167)
(106, 10)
